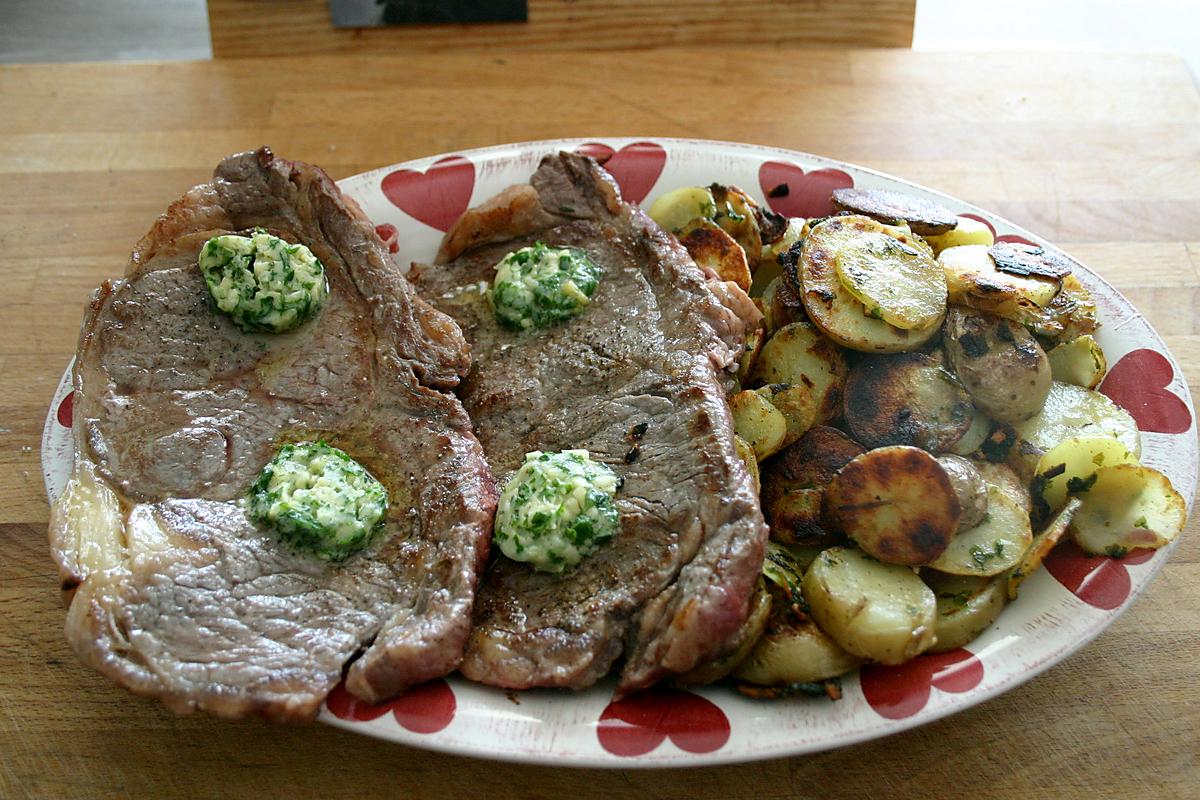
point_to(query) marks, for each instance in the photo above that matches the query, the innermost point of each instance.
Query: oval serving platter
(1060, 609)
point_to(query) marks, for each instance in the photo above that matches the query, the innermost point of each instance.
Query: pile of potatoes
(918, 411)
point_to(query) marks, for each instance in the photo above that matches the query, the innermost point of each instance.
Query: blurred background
(104, 30)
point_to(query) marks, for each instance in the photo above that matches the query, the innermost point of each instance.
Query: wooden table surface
(1099, 153)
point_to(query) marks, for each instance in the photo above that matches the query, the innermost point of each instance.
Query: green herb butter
(557, 509)
(540, 286)
(319, 499)
(263, 283)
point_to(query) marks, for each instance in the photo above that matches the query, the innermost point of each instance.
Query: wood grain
(249, 28)
(1098, 153)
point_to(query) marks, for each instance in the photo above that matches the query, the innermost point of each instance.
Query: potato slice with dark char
(896, 503)
(925, 217)
(794, 517)
(1002, 367)
(1015, 258)
(906, 399)
(830, 305)
(814, 459)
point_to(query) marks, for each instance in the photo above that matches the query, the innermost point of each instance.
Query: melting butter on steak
(176, 594)
(637, 379)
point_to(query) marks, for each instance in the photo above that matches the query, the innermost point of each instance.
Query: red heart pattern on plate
(1004, 237)
(390, 236)
(639, 723)
(427, 708)
(1100, 581)
(1138, 383)
(897, 692)
(807, 194)
(437, 196)
(66, 410)
(635, 167)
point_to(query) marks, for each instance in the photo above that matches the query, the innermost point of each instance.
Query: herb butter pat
(319, 499)
(263, 283)
(557, 509)
(540, 286)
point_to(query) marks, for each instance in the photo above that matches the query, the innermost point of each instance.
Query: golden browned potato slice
(1079, 361)
(735, 214)
(831, 306)
(1070, 467)
(781, 306)
(1071, 314)
(894, 281)
(1043, 543)
(799, 355)
(896, 503)
(759, 422)
(1000, 364)
(997, 544)
(925, 217)
(973, 281)
(970, 487)
(882, 612)
(714, 249)
(792, 651)
(814, 459)
(754, 345)
(966, 606)
(747, 638)
(1128, 506)
(745, 452)
(968, 231)
(797, 405)
(906, 399)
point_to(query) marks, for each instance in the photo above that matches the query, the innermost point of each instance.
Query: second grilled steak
(639, 381)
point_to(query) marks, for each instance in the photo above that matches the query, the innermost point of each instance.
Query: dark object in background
(364, 13)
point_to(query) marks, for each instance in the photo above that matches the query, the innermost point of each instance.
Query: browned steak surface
(176, 410)
(639, 380)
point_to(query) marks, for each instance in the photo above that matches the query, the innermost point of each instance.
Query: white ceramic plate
(1060, 609)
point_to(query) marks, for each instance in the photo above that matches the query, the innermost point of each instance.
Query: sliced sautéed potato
(879, 552)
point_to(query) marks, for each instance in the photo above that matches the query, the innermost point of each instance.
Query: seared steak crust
(638, 379)
(176, 410)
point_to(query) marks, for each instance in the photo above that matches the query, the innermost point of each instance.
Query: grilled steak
(175, 593)
(638, 380)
